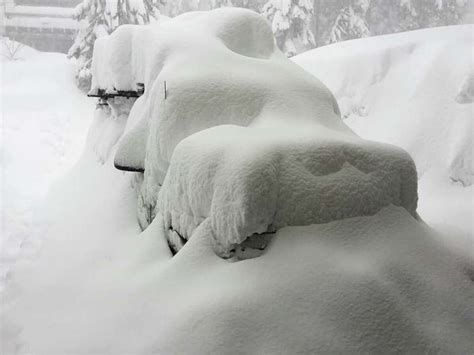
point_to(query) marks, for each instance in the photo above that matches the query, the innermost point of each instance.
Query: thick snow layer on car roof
(259, 179)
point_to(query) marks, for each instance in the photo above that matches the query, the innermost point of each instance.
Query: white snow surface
(286, 159)
(366, 284)
(384, 283)
(44, 122)
(414, 90)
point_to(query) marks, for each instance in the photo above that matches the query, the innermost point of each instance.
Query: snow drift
(285, 156)
(412, 89)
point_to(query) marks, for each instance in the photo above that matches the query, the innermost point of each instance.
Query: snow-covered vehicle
(233, 137)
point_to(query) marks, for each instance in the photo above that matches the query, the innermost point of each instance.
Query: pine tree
(176, 7)
(221, 3)
(291, 24)
(439, 12)
(388, 16)
(98, 18)
(350, 23)
(254, 5)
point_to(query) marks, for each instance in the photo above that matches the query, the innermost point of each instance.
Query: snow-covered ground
(375, 284)
(44, 122)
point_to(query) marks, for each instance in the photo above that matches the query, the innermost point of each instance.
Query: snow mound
(295, 163)
(377, 284)
(361, 285)
(412, 89)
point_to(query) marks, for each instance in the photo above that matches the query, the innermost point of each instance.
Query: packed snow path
(44, 120)
(281, 156)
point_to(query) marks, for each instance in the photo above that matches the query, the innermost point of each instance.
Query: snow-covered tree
(300, 25)
(350, 23)
(291, 24)
(390, 16)
(440, 12)
(221, 3)
(255, 5)
(100, 17)
(176, 7)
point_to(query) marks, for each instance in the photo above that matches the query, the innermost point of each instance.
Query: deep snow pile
(285, 157)
(414, 90)
(367, 284)
(44, 123)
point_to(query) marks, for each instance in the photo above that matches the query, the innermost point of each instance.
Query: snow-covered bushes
(10, 50)
(296, 163)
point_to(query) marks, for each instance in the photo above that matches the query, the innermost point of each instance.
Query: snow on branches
(290, 20)
(350, 23)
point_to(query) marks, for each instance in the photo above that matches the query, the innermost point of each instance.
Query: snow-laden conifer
(291, 24)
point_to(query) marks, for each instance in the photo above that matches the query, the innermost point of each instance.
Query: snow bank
(222, 67)
(411, 89)
(368, 284)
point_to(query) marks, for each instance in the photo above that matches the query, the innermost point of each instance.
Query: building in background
(46, 25)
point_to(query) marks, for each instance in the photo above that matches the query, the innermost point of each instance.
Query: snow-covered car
(232, 134)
